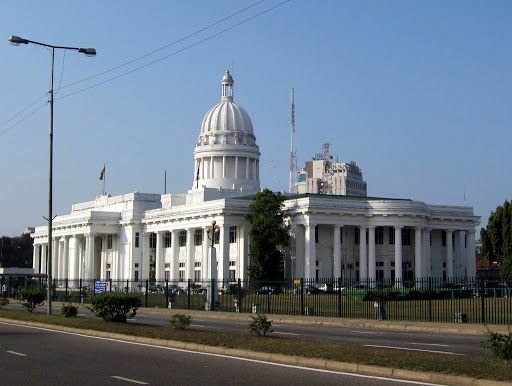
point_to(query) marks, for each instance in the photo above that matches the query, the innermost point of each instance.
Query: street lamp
(212, 295)
(16, 41)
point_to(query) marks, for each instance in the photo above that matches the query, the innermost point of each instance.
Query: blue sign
(100, 287)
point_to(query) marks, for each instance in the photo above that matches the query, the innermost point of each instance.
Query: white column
(223, 256)
(398, 256)
(89, 257)
(460, 238)
(35, 258)
(44, 263)
(418, 247)
(427, 270)
(470, 254)
(449, 255)
(189, 265)
(145, 256)
(65, 258)
(244, 252)
(300, 255)
(175, 254)
(159, 266)
(236, 167)
(363, 264)
(205, 270)
(55, 258)
(310, 253)
(223, 166)
(372, 267)
(337, 251)
(211, 168)
(75, 263)
(247, 168)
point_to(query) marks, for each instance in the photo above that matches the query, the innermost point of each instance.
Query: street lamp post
(211, 292)
(16, 41)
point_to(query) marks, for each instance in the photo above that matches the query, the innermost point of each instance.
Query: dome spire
(227, 87)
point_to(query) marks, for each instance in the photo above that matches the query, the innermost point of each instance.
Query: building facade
(156, 237)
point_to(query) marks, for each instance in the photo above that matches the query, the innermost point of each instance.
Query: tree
(16, 251)
(496, 239)
(268, 231)
(31, 298)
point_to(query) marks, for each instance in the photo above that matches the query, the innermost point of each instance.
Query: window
(136, 265)
(216, 237)
(182, 265)
(316, 233)
(356, 236)
(108, 275)
(136, 276)
(182, 275)
(391, 236)
(232, 234)
(197, 264)
(379, 235)
(167, 240)
(232, 275)
(152, 240)
(136, 239)
(109, 241)
(379, 264)
(443, 238)
(183, 238)
(167, 275)
(341, 235)
(406, 236)
(197, 275)
(167, 265)
(198, 237)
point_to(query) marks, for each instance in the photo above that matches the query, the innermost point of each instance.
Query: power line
(21, 120)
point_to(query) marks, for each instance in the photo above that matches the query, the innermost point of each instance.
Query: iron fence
(425, 299)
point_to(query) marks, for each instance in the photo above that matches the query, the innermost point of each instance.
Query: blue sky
(417, 93)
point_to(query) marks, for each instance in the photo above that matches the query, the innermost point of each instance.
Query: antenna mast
(293, 152)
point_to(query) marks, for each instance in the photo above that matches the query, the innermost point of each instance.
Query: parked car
(197, 289)
(231, 289)
(308, 289)
(155, 289)
(175, 289)
(266, 289)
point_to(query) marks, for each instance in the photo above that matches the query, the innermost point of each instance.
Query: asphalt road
(30, 355)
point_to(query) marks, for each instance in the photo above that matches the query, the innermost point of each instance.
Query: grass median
(469, 366)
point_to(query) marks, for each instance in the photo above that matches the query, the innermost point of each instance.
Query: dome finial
(227, 87)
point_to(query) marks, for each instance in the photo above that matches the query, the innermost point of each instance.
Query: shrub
(69, 311)
(31, 298)
(260, 325)
(114, 307)
(499, 344)
(3, 301)
(180, 321)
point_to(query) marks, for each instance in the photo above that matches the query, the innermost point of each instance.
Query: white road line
(199, 320)
(367, 332)
(227, 356)
(413, 349)
(130, 380)
(17, 353)
(431, 344)
(196, 325)
(80, 314)
(285, 333)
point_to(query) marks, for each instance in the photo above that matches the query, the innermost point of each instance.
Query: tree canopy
(496, 239)
(16, 251)
(268, 231)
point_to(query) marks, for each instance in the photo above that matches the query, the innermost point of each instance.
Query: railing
(426, 299)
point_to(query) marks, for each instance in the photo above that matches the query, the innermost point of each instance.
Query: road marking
(413, 349)
(227, 356)
(367, 332)
(199, 320)
(80, 314)
(17, 353)
(431, 344)
(196, 325)
(285, 333)
(129, 380)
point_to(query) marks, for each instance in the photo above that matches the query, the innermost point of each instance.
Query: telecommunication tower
(293, 152)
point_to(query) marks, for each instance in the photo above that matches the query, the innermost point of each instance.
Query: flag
(102, 173)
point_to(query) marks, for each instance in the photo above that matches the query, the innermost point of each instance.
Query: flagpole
(104, 178)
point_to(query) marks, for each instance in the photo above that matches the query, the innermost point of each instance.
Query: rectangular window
(152, 240)
(136, 265)
(356, 236)
(108, 275)
(197, 264)
(443, 238)
(109, 241)
(183, 238)
(232, 275)
(316, 233)
(167, 275)
(391, 236)
(136, 239)
(379, 235)
(182, 265)
(167, 239)
(406, 236)
(182, 275)
(232, 234)
(216, 237)
(341, 235)
(197, 275)
(198, 237)
(136, 276)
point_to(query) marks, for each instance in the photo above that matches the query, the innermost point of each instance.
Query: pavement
(436, 378)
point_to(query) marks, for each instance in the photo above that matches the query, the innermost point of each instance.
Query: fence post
(240, 295)
(482, 297)
(110, 285)
(127, 286)
(80, 291)
(302, 296)
(339, 297)
(166, 293)
(212, 296)
(430, 299)
(147, 286)
(188, 294)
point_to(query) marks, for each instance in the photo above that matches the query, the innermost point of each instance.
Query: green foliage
(114, 307)
(268, 231)
(499, 344)
(31, 297)
(260, 325)
(69, 311)
(3, 301)
(16, 251)
(180, 321)
(496, 239)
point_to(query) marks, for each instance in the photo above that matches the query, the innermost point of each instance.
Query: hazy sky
(417, 93)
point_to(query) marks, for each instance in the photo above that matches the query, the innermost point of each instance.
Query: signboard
(296, 281)
(100, 287)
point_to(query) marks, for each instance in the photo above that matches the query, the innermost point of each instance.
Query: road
(30, 355)
(455, 344)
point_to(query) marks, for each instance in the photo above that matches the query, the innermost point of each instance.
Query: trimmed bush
(499, 344)
(260, 325)
(69, 311)
(31, 298)
(180, 321)
(114, 307)
(3, 301)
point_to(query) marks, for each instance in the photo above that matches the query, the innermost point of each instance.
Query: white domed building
(158, 237)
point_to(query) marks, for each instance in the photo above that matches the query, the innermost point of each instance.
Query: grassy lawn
(469, 366)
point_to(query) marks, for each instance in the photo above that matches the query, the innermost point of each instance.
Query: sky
(417, 93)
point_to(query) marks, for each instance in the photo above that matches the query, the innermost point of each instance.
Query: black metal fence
(427, 299)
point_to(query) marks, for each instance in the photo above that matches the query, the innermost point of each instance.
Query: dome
(227, 116)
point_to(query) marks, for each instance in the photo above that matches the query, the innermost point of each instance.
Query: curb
(280, 358)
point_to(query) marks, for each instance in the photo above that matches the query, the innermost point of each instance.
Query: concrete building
(140, 236)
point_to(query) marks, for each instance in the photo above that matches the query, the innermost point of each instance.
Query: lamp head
(208, 230)
(16, 40)
(214, 222)
(88, 51)
(217, 230)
